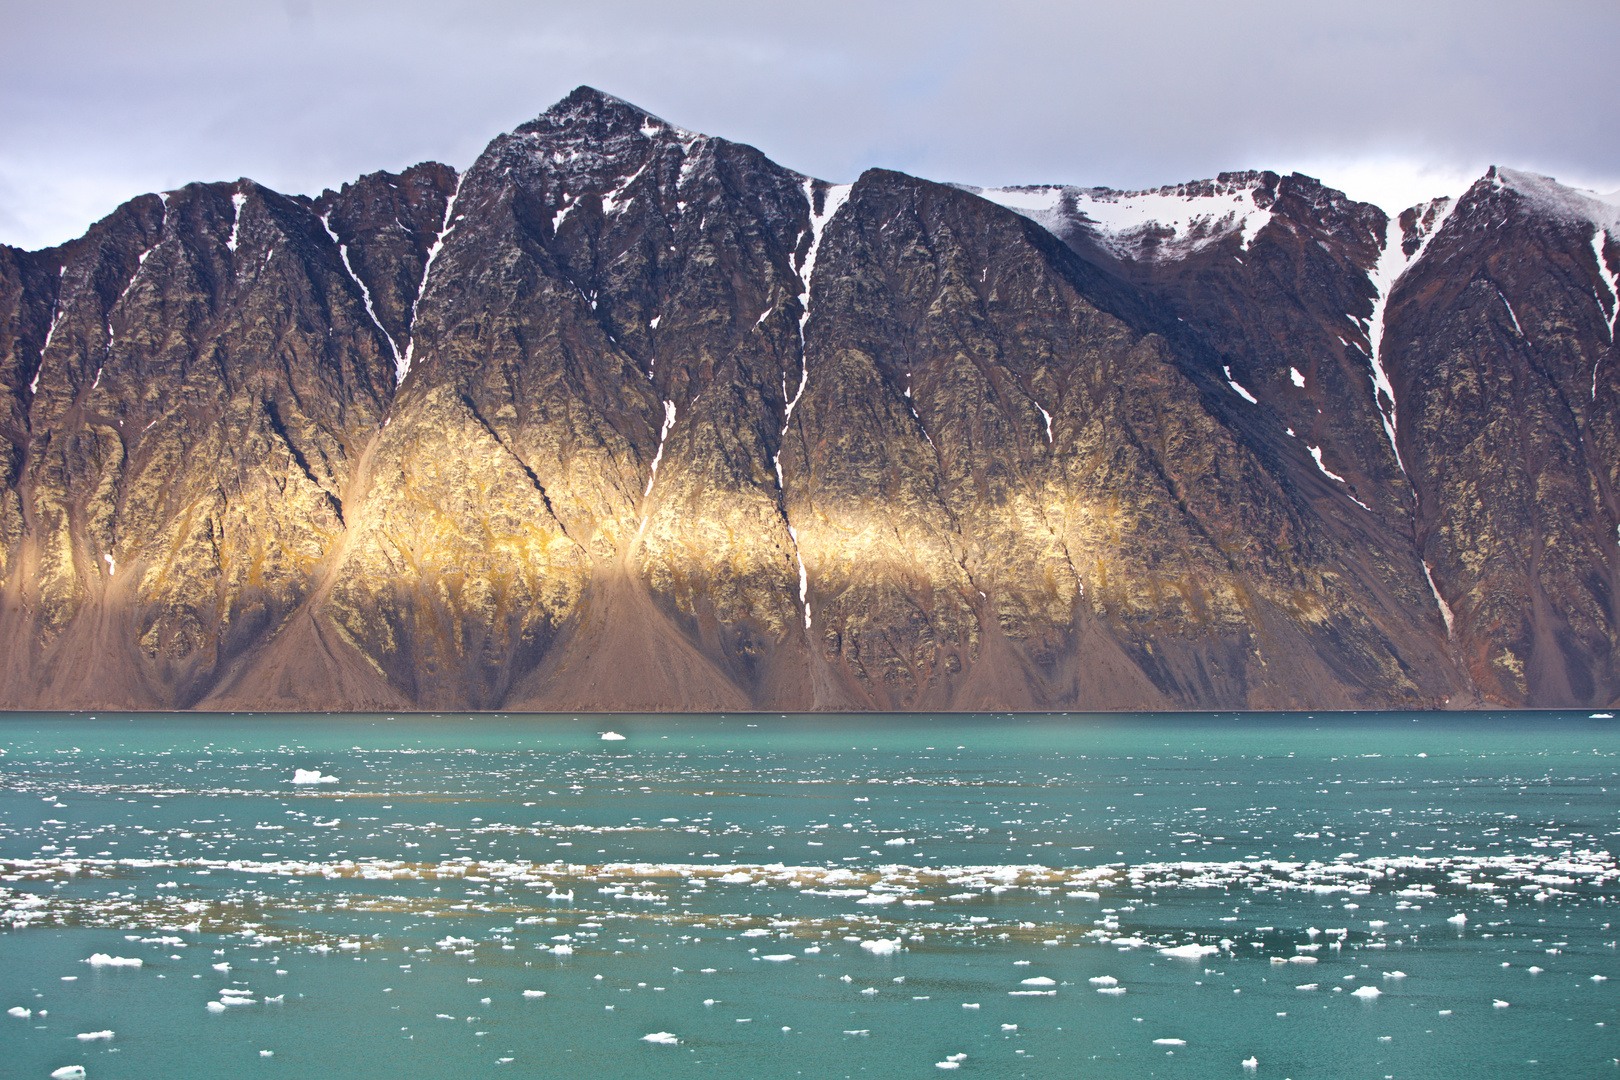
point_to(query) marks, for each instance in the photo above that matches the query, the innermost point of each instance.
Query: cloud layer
(1392, 100)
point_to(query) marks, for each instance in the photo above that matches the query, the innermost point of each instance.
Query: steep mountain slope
(627, 417)
(1501, 343)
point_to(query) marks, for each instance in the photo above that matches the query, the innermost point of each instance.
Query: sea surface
(1360, 896)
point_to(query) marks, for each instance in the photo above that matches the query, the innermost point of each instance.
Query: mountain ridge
(627, 417)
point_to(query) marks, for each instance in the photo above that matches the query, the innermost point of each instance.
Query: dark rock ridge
(626, 417)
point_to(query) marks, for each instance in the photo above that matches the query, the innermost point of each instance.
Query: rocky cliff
(626, 417)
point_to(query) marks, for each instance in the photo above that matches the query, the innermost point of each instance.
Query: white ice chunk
(101, 959)
(662, 1038)
(312, 776)
(1367, 993)
(1189, 952)
(612, 736)
(93, 1036)
(882, 946)
(69, 1072)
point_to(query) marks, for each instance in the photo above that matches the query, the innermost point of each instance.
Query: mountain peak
(1557, 200)
(595, 113)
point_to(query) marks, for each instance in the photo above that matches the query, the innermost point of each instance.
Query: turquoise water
(994, 896)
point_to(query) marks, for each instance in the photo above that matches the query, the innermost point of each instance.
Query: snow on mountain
(1559, 201)
(1163, 223)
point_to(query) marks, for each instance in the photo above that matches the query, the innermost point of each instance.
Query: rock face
(630, 418)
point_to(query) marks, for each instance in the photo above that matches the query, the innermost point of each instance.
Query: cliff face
(627, 417)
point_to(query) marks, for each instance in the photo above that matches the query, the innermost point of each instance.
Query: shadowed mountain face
(626, 417)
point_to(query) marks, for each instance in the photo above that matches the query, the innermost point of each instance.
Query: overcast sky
(1392, 100)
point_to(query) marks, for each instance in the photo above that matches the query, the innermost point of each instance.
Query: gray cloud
(105, 100)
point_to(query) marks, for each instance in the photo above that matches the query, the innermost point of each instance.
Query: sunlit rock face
(627, 417)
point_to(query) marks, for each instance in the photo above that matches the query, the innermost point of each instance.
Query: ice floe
(102, 959)
(312, 776)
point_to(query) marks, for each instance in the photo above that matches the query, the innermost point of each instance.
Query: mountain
(625, 417)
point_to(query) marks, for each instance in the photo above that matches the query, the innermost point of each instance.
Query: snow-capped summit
(1162, 223)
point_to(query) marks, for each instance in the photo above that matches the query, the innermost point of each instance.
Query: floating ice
(562, 950)
(612, 736)
(1032, 993)
(779, 957)
(1103, 980)
(534, 993)
(1458, 919)
(1169, 1042)
(1189, 952)
(93, 1036)
(101, 959)
(1115, 990)
(947, 1065)
(882, 946)
(215, 1006)
(312, 776)
(1251, 1063)
(662, 1038)
(1366, 992)
(1499, 1004)
(975, 1004)
(1040, 980)
(1394, 974)
(69, 1072)
(19, 1012)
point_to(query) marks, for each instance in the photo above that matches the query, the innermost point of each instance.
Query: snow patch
(1558, 201)
(1511, 313)
(1430, 217)
(403, 368)
(663, 434)
(832, 201)
(1152, 226)
(1445, 608)
(1316, 456)
(237, 200)
(1241, 392)
(343, 254)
